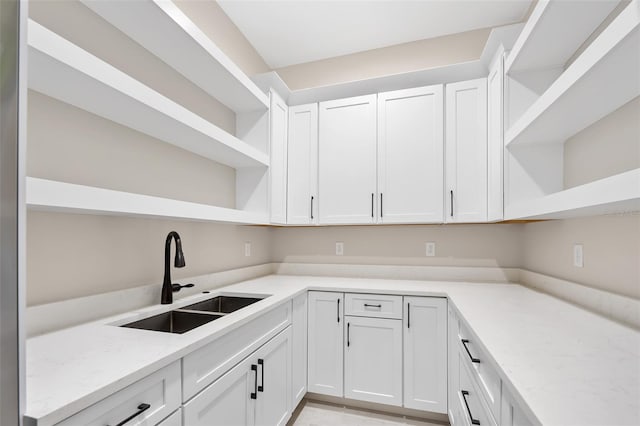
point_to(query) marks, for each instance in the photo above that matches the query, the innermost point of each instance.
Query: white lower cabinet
(453, 373)
(254, 392)
(425, 353)
(325, 343)
(173, 420)
(299, 350)
(510, 412)
(146, 402)
(473, 407)
(373, 360)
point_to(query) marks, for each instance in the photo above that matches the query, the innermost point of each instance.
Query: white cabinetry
(325, 345)
(299, 350)
(410, 155)
(373, 360)
(495, 138)
(173, 420)
(278, 148)
(302, 164)
(425, 353)
(510, 412)
(466, 151)
(255, 392)
(347, 160)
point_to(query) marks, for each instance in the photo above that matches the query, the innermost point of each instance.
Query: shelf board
(62, 70)
(53, 196)
(163, 29)
(545, 41)
(615, 194)
(602, 79)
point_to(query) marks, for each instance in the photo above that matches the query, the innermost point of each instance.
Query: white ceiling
(287, 32)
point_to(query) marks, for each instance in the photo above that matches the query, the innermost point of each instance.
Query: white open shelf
(170, 35)
(48, 195)
(62, 70)
(603, 78)
(614, 194)
(547, 41)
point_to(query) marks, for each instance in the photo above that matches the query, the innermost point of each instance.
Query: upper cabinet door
(278, 169)
(466, 151)
(495, 136)
(410, 155)
(347, 161)
(302, 176)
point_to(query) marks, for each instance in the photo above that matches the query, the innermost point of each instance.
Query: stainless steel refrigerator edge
(13, 18)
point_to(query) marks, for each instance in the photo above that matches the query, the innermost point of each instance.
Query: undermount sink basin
(173, 322)
(223, 304)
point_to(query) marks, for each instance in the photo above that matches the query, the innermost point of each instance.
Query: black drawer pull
(141, 409)
(348, 335)
(464, 397)
(372, 195)
(408, 315)
(261, 386)
(312, 207)
(367, 305)
(381, 204)
(464, 343)
(451, 203)
(254, 394)
(338, 310)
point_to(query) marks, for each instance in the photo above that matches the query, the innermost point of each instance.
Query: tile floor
(320, 414)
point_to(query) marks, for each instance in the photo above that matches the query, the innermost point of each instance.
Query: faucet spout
(167, 288)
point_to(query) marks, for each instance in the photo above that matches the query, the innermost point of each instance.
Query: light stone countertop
(564, 365)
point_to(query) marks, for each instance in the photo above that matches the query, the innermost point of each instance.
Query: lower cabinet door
(273, 404)
(453, 406)
(227, 401)
(299, 349)
(373, 360)
(425, 353)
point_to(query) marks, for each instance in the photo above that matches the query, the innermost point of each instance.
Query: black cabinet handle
(348, 335)
(367, 305)
(261, 364)
(141, 409)
(254, 394)
(464, 343)
(451, 202)
(312, 207)
(338, 310)
(372, 195)
(464, 397)
(408, 315)
(381, 204)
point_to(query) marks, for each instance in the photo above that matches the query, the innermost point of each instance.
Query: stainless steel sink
(223, 304)
(177, 322)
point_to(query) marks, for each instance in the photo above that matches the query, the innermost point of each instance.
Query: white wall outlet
(430, 249)
(247, 248)
(339, 248)
(578, 257)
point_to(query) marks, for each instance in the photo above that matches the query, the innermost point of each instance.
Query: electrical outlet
(339, 248)
(247, 248)
(578, 256)
(430, 249)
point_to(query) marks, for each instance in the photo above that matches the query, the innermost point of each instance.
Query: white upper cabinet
(466, 151)
(495, 138)
(410, 155)
(278, 171)
(347, 161)
(302, 165)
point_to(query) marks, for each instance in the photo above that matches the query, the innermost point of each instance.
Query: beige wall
(456, 245)
(401, 58)
(78, 255)
(611, 251)
(607, 147)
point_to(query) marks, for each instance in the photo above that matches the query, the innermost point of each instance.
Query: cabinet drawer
(471, 403)
(373, 305)
(160, 390)
(478, 363)
(204, 366)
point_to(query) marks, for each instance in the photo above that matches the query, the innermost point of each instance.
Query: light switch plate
(247, 249)
(339, 248)
(430, 249)
(578, 256)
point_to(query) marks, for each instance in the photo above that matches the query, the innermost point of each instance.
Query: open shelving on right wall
(572, 112)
